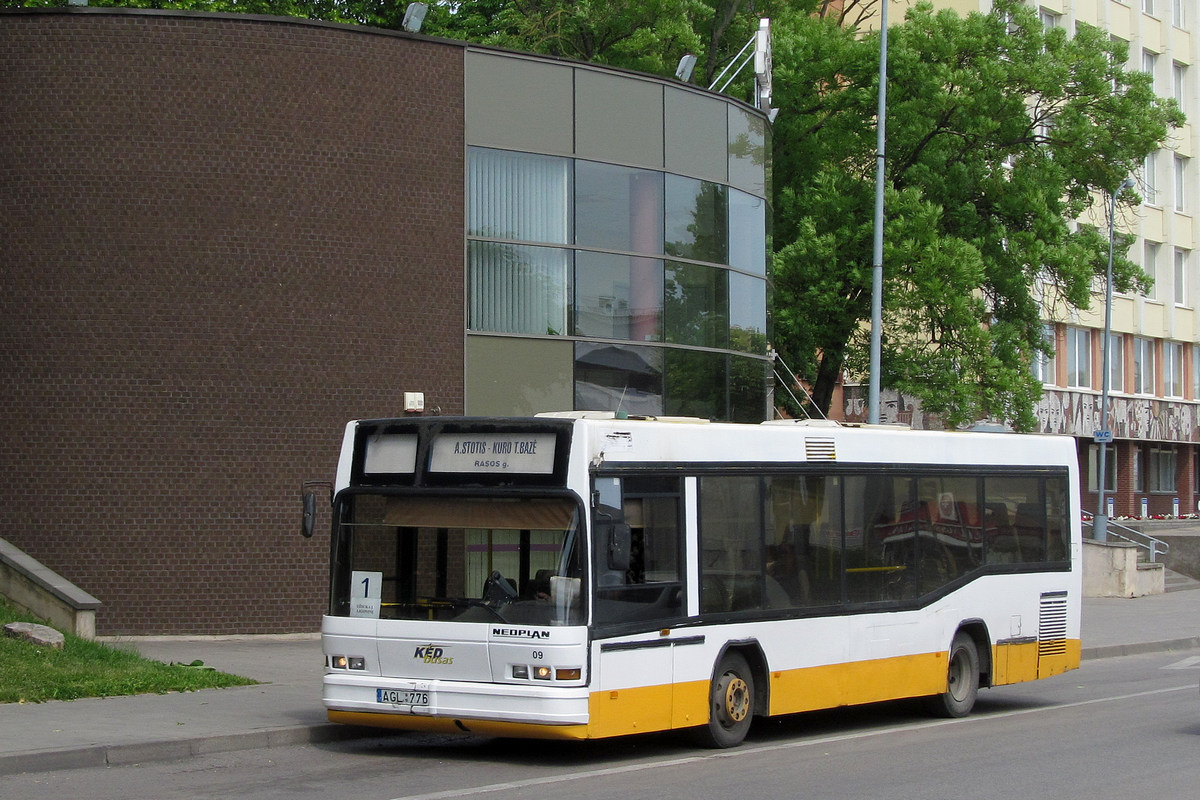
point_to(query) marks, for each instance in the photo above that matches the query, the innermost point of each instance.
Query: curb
(177, 749)
(1140, 648)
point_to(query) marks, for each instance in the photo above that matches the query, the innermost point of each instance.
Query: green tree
(1000, 135)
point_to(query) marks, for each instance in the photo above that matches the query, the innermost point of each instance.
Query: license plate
(402, 697)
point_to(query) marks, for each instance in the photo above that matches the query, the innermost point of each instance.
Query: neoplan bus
(578, 576)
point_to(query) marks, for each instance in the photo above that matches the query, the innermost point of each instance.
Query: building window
(618, 296)
(1110, 468)
(1178, 78)
(1139, 469)
(1181, 268)
(1143, 365)
(1148, 7)
(695, 385)
(614, 377)
(1160, 465)
(517, 288)
(1150, 66)
(696, 220)
(1172, 369)
(1177, 16)
(747, 313)
(1181, 165)
(1150, 266)
(1079, 358)
(518, 196)
(1150, 179)
(1116, 362)
(696, 305)
(747, 221)
(618, 208)
(1196, 374)
(1043, 364)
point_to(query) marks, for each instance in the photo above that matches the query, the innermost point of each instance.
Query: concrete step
(1178, 582)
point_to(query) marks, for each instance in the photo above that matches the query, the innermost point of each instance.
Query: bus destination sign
(516, 453)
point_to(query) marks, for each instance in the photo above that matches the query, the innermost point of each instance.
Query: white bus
(579, 576)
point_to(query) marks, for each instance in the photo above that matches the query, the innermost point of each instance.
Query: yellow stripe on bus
(645, 709)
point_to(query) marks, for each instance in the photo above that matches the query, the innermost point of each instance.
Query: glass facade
(659, 279)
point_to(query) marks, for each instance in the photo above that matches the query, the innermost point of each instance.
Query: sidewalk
(285, 709)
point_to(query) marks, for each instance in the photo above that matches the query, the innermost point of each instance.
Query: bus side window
(731, 537)
(637, 548)
(1016, 531)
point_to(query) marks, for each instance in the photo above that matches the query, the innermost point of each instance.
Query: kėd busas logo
(432, 654)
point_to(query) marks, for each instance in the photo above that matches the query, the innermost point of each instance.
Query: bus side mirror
(310, 515)
(618, 546)
(308, 496)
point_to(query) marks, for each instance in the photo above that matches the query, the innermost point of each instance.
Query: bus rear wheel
(962, 680)
(730, 703)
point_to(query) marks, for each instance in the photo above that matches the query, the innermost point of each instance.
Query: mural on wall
(1059, 411)
(1077, 414)
(894, 409)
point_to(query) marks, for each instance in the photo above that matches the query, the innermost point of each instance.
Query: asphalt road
(1118, 728)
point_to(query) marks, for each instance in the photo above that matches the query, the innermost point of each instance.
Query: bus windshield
(465, 559)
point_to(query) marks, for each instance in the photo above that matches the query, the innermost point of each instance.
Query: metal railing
(1153, 547)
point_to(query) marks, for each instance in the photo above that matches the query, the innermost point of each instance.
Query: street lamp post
(1104, 435)
(877, 259)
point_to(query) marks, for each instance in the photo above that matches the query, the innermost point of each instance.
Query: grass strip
(84, 668)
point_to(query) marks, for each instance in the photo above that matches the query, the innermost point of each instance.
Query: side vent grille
(1052, 625)
(820, 448)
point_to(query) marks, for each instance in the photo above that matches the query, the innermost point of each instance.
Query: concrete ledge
(44, 593)
(1111, 569)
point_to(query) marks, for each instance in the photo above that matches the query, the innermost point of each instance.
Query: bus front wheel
(962, 679)
(730, 703)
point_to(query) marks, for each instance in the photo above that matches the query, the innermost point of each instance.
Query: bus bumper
(458, 706)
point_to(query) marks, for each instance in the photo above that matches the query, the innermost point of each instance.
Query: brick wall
(220, 238)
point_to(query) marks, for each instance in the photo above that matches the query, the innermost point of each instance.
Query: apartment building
(1153, 463)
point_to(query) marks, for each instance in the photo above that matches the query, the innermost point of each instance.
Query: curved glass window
(614, 377)
(666, 275)
(747, 225)
(696, 220)
(695, 384)
(749, 151)
(518, 196)
(618, 208)
(747, 314)
(748, 381)
(517, 288)
(696, 305)
(618, 297)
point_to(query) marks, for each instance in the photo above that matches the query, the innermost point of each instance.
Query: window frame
(1182, 259)
(1172, 369)
(1079, 357)
(1144, 363)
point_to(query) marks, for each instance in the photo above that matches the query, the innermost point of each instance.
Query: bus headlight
(542, 673)
(348, 662)
(570, 674)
